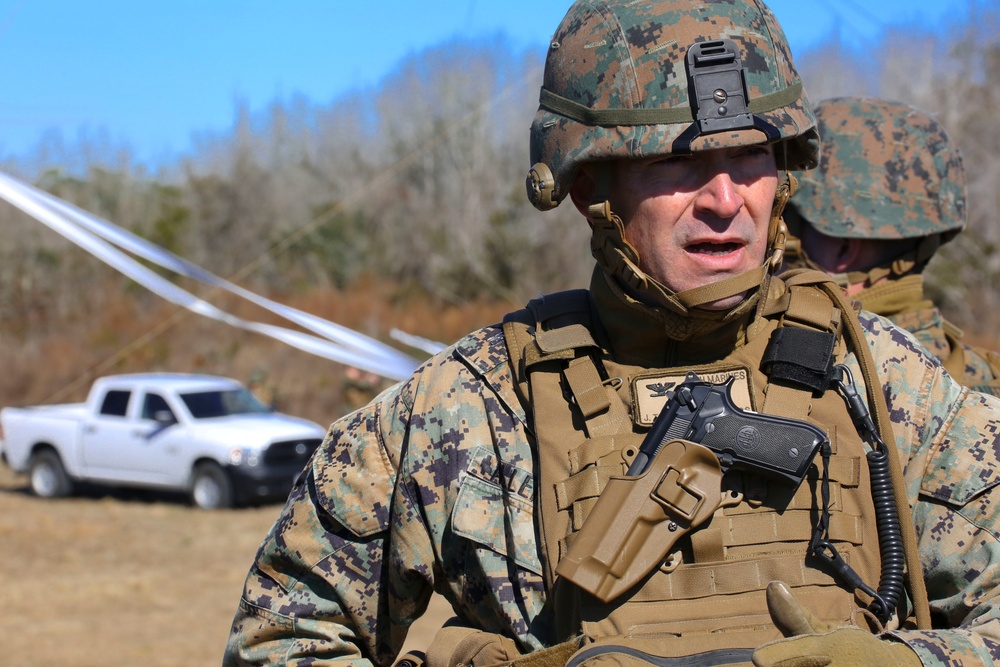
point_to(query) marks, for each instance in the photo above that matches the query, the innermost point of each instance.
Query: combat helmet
(633, 79)
(629, 79)
(887, 171)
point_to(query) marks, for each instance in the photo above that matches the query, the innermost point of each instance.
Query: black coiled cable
(890, 538)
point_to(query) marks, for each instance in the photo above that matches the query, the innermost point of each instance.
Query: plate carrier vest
(590, 414)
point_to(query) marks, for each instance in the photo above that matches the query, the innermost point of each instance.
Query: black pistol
(704, 412)
(674, 483)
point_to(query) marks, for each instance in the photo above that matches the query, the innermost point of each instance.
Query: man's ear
(582, 190)
(833, 253)
(848, 254)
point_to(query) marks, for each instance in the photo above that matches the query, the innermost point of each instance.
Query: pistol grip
(637, 520)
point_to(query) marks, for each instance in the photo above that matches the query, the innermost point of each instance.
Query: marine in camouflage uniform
(458, 480)
(888, 192)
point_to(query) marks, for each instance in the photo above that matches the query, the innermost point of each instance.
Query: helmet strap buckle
(778, 230)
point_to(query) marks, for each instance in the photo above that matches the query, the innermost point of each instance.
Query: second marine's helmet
(887, 171)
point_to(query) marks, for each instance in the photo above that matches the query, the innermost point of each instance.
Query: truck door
(158, 457)
(108, 437)
(128, 440)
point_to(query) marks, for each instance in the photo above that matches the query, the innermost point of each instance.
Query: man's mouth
(715, 249)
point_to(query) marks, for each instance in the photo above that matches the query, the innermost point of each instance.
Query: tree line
(419, 183)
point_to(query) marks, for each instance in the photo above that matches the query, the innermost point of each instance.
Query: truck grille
(290, 452)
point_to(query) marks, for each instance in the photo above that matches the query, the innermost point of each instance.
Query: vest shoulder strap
(553, 326)
(801, 354)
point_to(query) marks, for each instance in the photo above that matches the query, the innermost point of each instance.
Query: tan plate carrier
(708, 593)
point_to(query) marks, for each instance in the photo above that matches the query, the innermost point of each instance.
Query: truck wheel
(211, 487)
(48, 476)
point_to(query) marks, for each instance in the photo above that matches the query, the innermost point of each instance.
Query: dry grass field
(125, 578)
(130, 578)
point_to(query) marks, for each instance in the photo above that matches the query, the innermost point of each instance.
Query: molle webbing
(560, 335)
(561, 325)
(602, 411)
(553, 339)
(731, 578)
(554, 327)
(893, 297)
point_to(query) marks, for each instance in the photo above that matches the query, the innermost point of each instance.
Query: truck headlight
(243, 456)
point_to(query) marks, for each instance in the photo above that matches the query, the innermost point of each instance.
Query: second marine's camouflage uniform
(974, 366)
(473, 477)
(890, 172)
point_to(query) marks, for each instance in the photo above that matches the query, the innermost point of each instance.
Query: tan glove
(812, 642)
(456, 645)
(789, 616)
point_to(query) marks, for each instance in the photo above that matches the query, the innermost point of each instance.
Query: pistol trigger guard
(671, 563)
(731, 498)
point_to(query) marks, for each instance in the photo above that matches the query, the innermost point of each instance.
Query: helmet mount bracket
(717, 85)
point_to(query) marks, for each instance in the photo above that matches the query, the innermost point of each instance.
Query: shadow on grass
(87, 491)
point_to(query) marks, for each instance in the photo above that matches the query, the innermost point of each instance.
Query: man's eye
(674, 159)
(753, 151)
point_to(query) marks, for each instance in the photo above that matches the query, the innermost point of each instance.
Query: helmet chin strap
(619, 259)
(777, 230)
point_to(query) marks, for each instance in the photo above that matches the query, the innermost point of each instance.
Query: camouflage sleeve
(950, 441)
(317, 592)
(978, 369)
(427, 488)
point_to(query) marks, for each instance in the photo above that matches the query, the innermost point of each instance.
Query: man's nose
(719, 196)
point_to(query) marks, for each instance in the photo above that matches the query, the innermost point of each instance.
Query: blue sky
(151, 74)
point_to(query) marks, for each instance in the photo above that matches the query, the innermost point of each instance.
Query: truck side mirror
(164, 417)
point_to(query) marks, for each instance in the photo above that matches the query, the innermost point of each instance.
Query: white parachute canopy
(107, 242)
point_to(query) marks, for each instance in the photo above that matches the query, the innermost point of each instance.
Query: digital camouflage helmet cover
(887, 171)
(634, 79)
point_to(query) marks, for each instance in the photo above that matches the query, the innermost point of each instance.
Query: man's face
(697, 219)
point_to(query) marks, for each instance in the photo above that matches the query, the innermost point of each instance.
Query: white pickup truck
(204, 435)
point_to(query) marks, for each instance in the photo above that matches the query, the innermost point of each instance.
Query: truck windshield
(209, 404)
